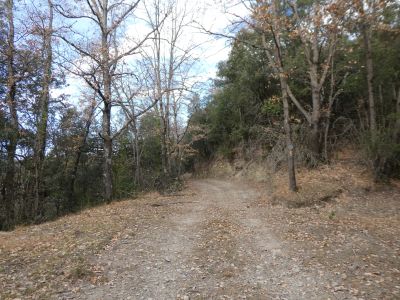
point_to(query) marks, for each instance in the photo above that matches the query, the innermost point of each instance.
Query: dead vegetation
(339, 225)
(39, 262)
(316, 187)
(354, 235)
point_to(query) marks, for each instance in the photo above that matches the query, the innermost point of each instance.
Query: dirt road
(211, 242)
(216, 239)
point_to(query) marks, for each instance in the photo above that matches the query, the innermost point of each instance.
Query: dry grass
(317, 186)
(354, 236)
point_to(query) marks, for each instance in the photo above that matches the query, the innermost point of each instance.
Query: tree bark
(366, 33)
(7, 217)
(41, 135)
(316, 96)
(315, 144)
(159, 95)
(106, 124)
(107, 155)
(164, 150)
(288, 132)
(370, 76)
(284, 90)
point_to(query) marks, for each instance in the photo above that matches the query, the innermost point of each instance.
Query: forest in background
(303, 80)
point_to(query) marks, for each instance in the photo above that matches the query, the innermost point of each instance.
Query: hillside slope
(219, 238)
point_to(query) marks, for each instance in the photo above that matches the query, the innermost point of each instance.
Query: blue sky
(211, 14)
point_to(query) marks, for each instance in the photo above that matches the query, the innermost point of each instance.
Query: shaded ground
(218, 239)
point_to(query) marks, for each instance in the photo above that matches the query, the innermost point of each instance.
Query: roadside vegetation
(305, 110)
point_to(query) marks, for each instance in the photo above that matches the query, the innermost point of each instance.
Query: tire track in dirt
(212, 243)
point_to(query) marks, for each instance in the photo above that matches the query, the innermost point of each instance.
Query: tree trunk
(7, 217)
(397, 124)
(72, 201)
(41, 135)
(171, 75)
(288, 132)
(106, 124)
(167, 131)
(136, 151)
(180, 156)
(326, 136)
(285, 100)
(315, 144)
(107, 143)
(164, 154)
(138, 171)
(163, 112)
(138, 157)
(370, 76)
(177, 140)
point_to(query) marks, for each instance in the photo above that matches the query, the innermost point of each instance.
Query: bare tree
(170, 61)
(181, 148)
(128, 100)
(100, 60)
(131, 99)
(154, 62)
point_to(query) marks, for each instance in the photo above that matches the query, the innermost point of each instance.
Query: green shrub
(382, 153)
